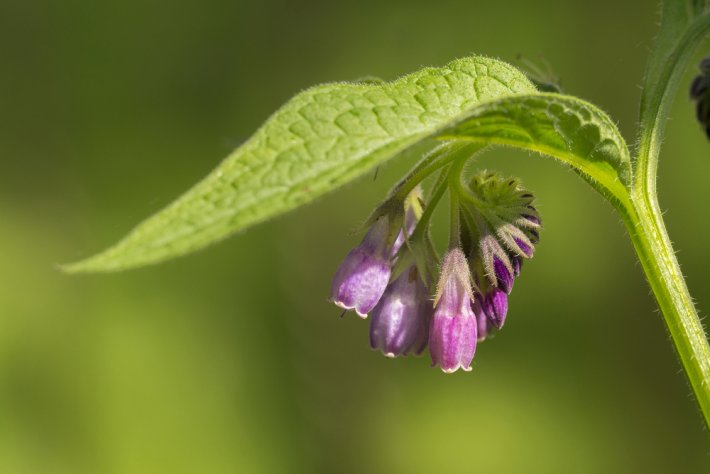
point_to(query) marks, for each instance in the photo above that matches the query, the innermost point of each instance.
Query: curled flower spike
(399, 323)
(501, 229)
(454, 326)
(509, 226)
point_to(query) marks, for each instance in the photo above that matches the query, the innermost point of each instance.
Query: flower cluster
(495, 226)
(500, 233)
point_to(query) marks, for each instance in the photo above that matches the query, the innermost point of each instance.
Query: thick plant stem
(641, 212)
(648, 234)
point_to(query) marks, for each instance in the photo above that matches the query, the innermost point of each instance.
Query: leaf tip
(98, 263)
(81, 266)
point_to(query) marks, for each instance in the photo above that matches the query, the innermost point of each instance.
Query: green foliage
(564, 127)
(321, 139)
(332, 134)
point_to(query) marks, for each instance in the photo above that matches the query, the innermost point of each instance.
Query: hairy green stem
(648, 234)
(643, 218)
(655, 107)
(454, 222)
(459, 153)
(437, 192)
(433, 161)
(419, 242)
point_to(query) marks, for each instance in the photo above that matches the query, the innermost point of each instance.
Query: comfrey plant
(331, 134)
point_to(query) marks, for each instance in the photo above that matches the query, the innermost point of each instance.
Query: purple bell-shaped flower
(362, 278)
(399, 323)
(454, 326)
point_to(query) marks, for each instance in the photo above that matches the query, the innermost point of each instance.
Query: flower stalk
(644, 218)
(648, 234)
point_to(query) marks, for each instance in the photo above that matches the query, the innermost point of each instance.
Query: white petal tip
(346, 307)
(454, 369)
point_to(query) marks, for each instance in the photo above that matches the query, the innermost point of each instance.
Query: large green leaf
(321, 139)
(561, 126)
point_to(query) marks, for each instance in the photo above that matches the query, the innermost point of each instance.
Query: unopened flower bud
(524, 247)
(504, 277)
(495, 305)
(534, 219)
(454, 328)
(483, 325)
(400, 321)
(517, 263)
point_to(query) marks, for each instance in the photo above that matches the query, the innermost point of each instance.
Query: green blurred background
(232, 360)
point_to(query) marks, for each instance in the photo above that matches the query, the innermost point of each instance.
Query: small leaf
(321, 139)
(564, 127)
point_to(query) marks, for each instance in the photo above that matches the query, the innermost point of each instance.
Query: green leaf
(321, 139)
(561, 126)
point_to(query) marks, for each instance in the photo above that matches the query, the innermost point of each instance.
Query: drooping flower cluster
(386, 276)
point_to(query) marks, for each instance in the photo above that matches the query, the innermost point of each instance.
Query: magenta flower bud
(363, 276)
(400, 321)
(504, 277)
(533, 219)
(526, 249)
(454, 328)
(495, 305)
(483, 325)
(517, 263)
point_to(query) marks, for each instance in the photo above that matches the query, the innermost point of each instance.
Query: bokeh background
(232, 360)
